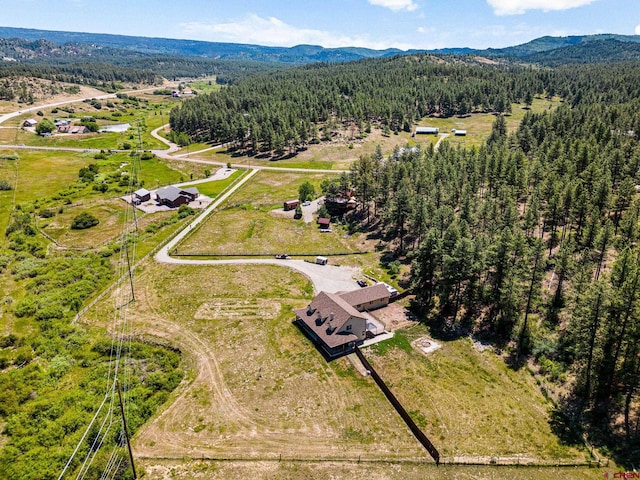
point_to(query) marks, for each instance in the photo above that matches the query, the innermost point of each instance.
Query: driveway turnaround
(328, 278)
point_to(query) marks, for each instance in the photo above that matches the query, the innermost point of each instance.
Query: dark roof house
(368, 298)
(174, 197)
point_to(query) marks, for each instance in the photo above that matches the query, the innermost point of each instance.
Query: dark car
(362, 283)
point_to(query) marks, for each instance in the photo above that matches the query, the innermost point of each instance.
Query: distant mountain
(549, 50)
(299, 54)
(547, 44)
(597, 51)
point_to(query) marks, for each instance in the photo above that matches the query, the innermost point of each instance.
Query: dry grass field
(112, 214)
(257, 386)
(257, 391)
(248, 225)
(210, 470)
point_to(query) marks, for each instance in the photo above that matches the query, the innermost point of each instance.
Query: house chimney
(331, 317)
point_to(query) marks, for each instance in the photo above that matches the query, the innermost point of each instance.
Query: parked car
(282, 256)
(306, 204)
(362, 283)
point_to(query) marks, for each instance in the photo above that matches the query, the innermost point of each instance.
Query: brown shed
(291, 204)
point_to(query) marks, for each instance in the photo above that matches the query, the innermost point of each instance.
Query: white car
(306, 204)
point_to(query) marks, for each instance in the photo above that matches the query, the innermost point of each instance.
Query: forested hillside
(530, 240)
(107, 67)
(289, 108)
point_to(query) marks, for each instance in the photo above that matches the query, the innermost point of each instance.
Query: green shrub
(25, 307)
(4, 185)
(185, 211)
(84, 220)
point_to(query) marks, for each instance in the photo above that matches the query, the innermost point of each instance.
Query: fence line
(417, 432)
(479, 461)
(338, 254)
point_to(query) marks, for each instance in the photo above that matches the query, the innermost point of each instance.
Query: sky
(377, 24)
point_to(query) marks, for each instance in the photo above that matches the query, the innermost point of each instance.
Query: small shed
(324, 222)
(30, 122)
(459, 133)
(427, 130)
(142, 195)
(291, 205)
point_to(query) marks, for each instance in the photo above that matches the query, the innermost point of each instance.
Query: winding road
(328, 278)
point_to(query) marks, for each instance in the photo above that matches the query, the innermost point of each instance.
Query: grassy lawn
(214, 188)
(206, 85)
(471, 403)
(58, 168)
(113, 214)
(248, 224)
(237, 231)
(478, 125)
(9, 135)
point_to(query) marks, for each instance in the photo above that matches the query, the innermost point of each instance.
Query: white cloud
(395, 5)
(515, 7)
(638, 29)
(272, 31)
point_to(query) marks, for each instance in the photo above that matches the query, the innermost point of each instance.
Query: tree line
(532, 241)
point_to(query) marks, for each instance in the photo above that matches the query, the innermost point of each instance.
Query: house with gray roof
(142, 195)
(174, 197)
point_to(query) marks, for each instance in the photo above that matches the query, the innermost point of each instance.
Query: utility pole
(126, 431)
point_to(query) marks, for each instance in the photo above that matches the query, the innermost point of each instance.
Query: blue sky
(379, 24)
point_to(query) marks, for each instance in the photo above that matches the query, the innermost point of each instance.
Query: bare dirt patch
(394, 316)
(239, 309)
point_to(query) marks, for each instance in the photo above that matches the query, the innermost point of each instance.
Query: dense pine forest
(530, 240)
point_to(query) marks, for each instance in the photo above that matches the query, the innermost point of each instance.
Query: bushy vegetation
(84, 220)
(49, 400)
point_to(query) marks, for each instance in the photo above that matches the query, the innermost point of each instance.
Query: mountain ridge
(298, 54)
